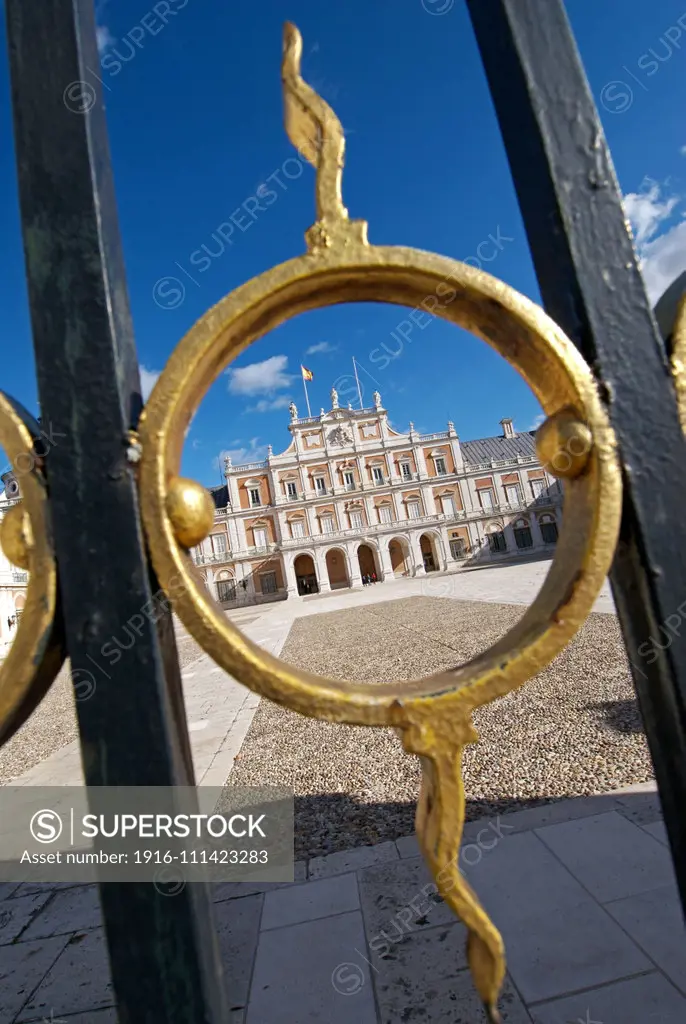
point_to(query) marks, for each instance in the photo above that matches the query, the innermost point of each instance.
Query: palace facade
(352, 498)
(12, 580)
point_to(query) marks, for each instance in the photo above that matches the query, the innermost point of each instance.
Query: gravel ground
(572, 730)
(53, 724)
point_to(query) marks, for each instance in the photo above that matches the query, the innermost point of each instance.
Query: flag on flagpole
(307, 374)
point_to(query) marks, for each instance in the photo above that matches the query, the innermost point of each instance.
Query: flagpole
(359, 393)
(307, 398)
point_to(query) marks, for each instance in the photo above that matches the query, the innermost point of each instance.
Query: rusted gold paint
(36, 653)
(433, 714)
(679, 360)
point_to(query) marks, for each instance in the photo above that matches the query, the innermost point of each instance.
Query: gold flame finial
(317, 134)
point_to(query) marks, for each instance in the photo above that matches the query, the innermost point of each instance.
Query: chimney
(508, 429)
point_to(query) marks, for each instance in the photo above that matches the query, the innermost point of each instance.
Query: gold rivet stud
(564, 444)
(191, 511)
(15, 536)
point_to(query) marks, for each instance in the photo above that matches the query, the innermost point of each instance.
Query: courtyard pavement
(220, 710)
(582, 890)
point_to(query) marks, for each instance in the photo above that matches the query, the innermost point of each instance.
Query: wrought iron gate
(91, 506)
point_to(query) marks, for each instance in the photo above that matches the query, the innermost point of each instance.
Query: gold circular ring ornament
(576, 443)
(518, 330)
(36, 654)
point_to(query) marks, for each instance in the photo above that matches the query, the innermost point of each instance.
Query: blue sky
(194, 109)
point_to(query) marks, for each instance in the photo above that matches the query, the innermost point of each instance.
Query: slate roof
(486, 448)
(220, 496)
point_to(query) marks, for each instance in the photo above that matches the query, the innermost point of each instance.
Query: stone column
(321, 571)
(508, 530)
(385, 558)
(370, 510)
(362, 470)
(428, 500)
(244, 594)
(421, 461)
(289, 577)
(536, 535)
(355, 574)
(416, 557)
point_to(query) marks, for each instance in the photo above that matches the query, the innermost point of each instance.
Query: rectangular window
(349, 480)
(496, 541)
(320, 485)
(457, 548)
(268, 582)
(406, 470)
(440, 466)
(356, 522)
(549, 533)
(260, 536)
(254, 495)
(327, 524)
(298, 528)
(537, 487)
(448, 503)
(377, 474)
(218, 543)
(512, 494)
(486, 497)
(413, 510)
(292, 489)
(226, 590)
(385, 514)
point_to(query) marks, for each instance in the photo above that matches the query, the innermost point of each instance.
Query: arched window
(496, 538)
(522, 534)
(548, 529)
(226, 587)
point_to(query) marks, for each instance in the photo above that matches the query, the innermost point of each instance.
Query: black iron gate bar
(163, 951)
(592, 287)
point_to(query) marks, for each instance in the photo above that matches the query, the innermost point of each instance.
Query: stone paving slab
(305, 973)
(238, 928)
(22, 968)
(77, 982)
(16, 914)
(558, 937)
(326, 897)
(219, 711)
(655, 922)
(648, 999)
(609, 855)
(363, 938)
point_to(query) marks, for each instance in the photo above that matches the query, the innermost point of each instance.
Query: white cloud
(269, 404)
(647, 211)
(321, 346)
(104, 38)
(537, 422)
(148, 381)
(663, 260)
(241, 453)
(260, 378)
(683, 150)
(662, 253)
